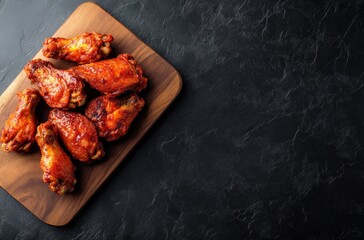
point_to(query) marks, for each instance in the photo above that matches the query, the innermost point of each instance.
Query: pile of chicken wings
(68, 134)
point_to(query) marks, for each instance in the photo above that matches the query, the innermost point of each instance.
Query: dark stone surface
(265, 140)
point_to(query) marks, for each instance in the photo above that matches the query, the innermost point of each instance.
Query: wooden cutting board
(20, 174)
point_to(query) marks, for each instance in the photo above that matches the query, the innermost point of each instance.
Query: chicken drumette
(84, 48)
(78, 135)
(113, 77)
(59, 88)
(112, 117)
(56, 164)
(19, 130)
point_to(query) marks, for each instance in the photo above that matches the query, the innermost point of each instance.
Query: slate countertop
(265, 140)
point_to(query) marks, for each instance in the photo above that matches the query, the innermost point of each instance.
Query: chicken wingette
(113, 117)
(78, 135)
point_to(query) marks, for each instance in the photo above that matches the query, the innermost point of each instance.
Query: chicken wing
(59, 88)
(78, 134)
(112, 117)
(113, 77)
(84, 48)
(56, 164)
(19, 130)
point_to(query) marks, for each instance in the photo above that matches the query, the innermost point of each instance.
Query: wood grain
(20, 174)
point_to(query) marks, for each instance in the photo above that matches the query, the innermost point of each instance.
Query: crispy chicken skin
(55, 163)
(111, 116)
(113, 77)
(78, 135)
(59, 88)
(19, 130)
(84, 48)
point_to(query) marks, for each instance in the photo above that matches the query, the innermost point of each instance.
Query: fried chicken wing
(78, 135)
(56, 164)
(113, 77)
(84, 48)
(19, 130)
(112, 117)
(59, 88)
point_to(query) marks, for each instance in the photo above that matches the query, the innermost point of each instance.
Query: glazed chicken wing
(112, 117)
(78, 134)
(19, 130)
(56, 164)
(59, 88)
(113, 77)
(84, 48)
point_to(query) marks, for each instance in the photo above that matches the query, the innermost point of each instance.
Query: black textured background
(265, 140)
